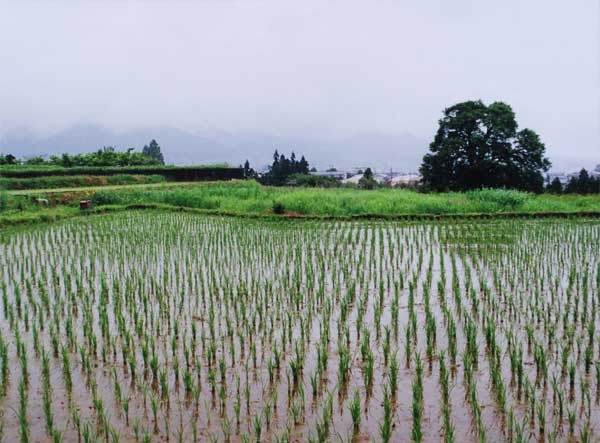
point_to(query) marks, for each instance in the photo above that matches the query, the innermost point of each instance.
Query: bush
(503, 199)
(278, 208)
(313, 181)
(106, 198)
(3, 200)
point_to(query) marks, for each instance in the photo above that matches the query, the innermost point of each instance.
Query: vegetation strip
(51, 216)
(409, 217)
(76, 181)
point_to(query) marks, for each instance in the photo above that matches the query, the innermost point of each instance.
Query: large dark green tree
(479, 146)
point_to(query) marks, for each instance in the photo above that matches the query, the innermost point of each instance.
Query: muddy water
(253, 291)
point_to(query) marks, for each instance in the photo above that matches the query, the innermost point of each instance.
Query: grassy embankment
(252, 198)
(247, 198)
(41, 170)
(69, 181)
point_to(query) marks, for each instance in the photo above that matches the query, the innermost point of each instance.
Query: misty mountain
(381, 151)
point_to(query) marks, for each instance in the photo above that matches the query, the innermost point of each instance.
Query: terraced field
(140, 326)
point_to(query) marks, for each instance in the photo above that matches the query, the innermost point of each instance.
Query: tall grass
(249, 197)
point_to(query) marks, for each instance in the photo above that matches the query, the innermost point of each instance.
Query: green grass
(36, 216)
(247, 197)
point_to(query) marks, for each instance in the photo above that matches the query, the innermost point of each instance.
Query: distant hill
(400, 152)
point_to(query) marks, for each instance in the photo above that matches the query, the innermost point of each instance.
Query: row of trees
(581, 184)
(476, 146)
(282, 170)
(107, 156)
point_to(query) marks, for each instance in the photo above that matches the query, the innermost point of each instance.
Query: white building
(405, 179)
(338, 175)
(378, 177)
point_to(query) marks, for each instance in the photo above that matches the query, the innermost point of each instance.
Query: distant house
(355, 179)
(338, 175)
(405, 179)
(565, 177)
(353, 176)
(381, 178)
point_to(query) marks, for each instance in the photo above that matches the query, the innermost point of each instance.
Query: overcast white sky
(332, 68)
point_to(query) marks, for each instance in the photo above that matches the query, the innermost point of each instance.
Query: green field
(154, 327)
(248, 198)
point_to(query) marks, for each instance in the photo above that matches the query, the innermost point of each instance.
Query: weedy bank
(140, 327)
(248, 197)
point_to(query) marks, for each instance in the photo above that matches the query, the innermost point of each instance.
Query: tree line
(283, 169)
(582, 183)
(107, 156)
(476, 146)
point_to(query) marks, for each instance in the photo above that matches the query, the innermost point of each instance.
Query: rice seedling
(572, 417)
(385, 428)
(57, 437)
(393, 376)
(355, 411)
(24, 431)
(417, 402)
(154, 402)
(344, 366)
(257, 427)
(368, 372)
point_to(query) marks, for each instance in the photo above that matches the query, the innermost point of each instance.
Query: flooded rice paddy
(145, 327)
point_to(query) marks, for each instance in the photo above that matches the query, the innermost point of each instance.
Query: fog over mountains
(382, 151)
(345, 83)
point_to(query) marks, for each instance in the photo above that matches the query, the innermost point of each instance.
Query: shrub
(503, 199)
(278, 208)
(106, 198)
(3, 200)
(313, 181)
